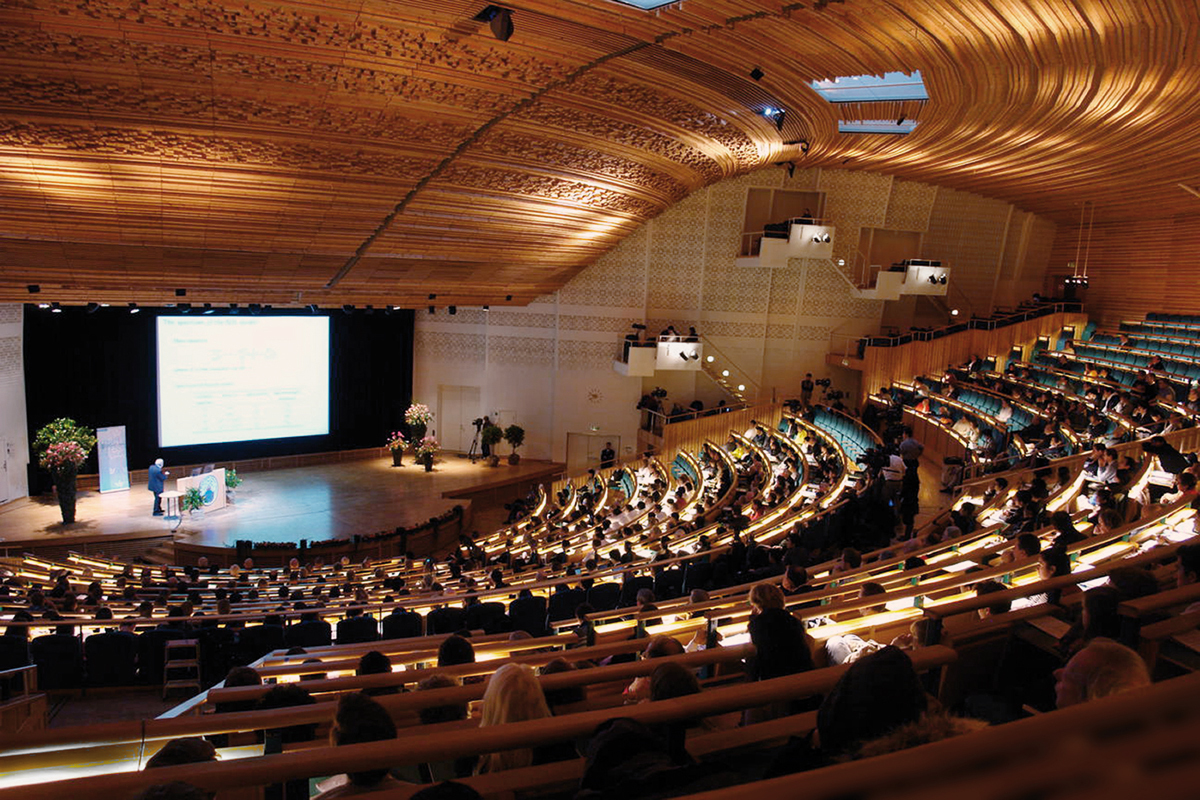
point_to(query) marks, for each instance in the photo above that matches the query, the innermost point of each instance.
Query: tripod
(473, 453)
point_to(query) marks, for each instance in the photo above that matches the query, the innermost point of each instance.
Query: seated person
(1101, 669)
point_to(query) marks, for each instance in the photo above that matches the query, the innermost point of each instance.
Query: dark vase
(397, 456)
(64, 487)
(428, 461)
(416, 433)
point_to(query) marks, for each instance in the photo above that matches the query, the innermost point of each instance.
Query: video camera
(478, 423)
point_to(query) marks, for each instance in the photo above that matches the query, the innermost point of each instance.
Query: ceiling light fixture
(33, 288)
(92, 308)
(133, 308)
(500, 21)
(757, 74)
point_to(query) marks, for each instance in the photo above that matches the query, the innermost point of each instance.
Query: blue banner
(114, 468)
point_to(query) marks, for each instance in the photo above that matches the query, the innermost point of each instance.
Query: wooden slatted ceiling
(376, 151)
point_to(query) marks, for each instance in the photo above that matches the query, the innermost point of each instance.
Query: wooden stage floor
(332, 501)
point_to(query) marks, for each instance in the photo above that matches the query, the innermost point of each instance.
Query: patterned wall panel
(785, 289)
(617, 279)
(781, 330)
(677, 246)
(909, 206)
(10, 358)
(966, 232)
(576, 355)
(440, 347)
(856, 198)
(9, 314)
(581, 322)
(523, 350)
(518, 318)
(827, 294)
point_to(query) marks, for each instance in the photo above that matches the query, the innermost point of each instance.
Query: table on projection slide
(229, 379)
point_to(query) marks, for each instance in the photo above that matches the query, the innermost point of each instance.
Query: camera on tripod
(478, 423)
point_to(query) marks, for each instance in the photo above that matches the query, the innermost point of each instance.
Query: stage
(332, 501)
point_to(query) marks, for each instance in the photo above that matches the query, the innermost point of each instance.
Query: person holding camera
(806, 389)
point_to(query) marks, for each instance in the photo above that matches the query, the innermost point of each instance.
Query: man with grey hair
(1101, 669)
(157, 476)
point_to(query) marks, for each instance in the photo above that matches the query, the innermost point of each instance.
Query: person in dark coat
(157, 476)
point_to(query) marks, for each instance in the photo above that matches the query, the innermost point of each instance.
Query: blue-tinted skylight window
(646, 5)
(878, 126)
(868, 88)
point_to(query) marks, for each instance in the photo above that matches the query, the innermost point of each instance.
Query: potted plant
(192, 501)
(426, 449)
(396, 443)
(515, 436)
(417, 418)
(63, 446)
(232, 482)
(489, 437)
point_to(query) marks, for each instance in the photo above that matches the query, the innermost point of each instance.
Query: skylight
(868, 88)
(878, 126)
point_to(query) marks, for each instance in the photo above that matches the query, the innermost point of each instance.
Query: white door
(458, 407)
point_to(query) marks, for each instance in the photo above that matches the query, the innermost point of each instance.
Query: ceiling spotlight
(431, 309)
(757, 74)
(816, 240)
(954, 312)
(741, 387)
(133, 308)
(208, 309)
(370, 308)
(500, 20)
(901, 120)
(347, 309)
(933, 279)
(709, 359)
(33, 288)
(184, 308)
(487, 308)
(43, 305)
(181, 292)
(233, 308)
(453, 310)
(942, 280)
(508, 297)
(312, 308)
(684, 356)
(255, 309)
(826, 239)
(55, 308)
(433, 297)
(92, 308)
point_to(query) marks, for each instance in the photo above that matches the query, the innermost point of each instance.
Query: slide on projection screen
(233, 379)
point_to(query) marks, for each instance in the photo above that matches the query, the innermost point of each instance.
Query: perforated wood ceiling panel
(377, 152)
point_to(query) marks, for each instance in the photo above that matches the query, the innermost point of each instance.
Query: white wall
(13, 425)
(549, 365)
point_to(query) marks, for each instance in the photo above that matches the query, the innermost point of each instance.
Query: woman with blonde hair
(513, 695)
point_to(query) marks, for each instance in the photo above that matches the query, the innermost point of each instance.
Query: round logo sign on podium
(208, 488)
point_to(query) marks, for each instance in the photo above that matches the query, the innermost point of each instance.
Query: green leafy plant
(63, 431)
(515, 436)
(192, 500)
(491, 435)
(232, 479)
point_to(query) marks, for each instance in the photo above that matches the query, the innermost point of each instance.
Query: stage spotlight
(233, 308)
(816, 240)
(55, 308)
(208, 308)
(508, 297)
(487, 308)
(901, 120)
(370, 309)
(433, 297)
(684, 356)
(431, 309)
(453, 310)
(347, 309)
(255, 309)
(33, 288)
(133, 308)
(757, 74)
(267, 307)
(181, 292)
(826, 239)
(43, 305)
(92, 308)
(942, 280)
(312, 308)
(933, 279)
(184, 308)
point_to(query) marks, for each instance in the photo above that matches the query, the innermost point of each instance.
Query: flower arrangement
(397, 441)
(428, 446)
(62, 456)
(232, 479)
(418, 414)
(62, 431)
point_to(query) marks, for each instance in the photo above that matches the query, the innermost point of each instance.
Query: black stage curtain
(100, 369)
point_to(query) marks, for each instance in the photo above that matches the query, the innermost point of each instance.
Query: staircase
(181, 669)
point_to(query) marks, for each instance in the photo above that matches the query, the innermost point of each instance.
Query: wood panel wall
(1134, 267)
(882, 365)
